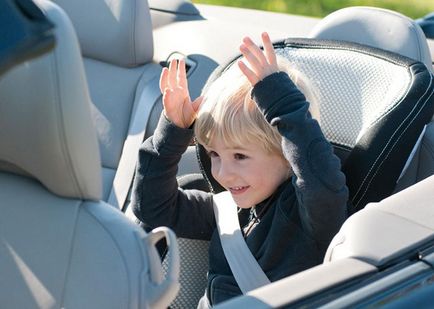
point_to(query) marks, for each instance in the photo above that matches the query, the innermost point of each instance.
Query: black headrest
(373, 106)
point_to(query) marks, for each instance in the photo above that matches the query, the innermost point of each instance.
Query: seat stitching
(133, 31)
(373, 164)
(60, 124)
(71, 250)
(387, 155)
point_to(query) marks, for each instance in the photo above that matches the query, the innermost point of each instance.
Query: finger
(270, 54)
(172, 73)
(172, 108)
(255, 50)
(163, 79)
(166, 99)
(251, 76)
(251, 59)
(182, 75)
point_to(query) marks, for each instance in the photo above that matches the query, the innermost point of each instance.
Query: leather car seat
(116, 43)
(60, 245)
(392, 31)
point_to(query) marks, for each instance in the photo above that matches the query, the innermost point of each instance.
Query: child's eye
(240, 156)
(212, 154)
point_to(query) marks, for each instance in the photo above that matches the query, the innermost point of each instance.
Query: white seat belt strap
(409, 172)
(147, 94)
(243, 264)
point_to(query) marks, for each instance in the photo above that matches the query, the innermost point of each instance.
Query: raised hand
(257, 63)
(178, 107)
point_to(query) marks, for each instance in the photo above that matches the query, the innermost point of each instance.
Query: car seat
(394, 32)
(60, 245)
(117, 47)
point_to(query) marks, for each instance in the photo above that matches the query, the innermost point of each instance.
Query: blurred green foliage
(321, 8)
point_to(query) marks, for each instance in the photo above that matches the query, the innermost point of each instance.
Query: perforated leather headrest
(45, 126)
(376, 27)
(116, 31)
(373, 105)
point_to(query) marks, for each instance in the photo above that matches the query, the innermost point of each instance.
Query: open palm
(178, 107)
(257, 63)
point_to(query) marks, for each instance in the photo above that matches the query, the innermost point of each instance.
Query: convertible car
(74, 112)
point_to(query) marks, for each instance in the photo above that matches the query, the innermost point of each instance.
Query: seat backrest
(60, 245)
(394, 32)
(117, 48)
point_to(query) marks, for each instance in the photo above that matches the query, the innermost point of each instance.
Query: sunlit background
(321, 8)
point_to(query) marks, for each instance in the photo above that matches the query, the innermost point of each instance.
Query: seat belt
(146, 96)
(409, 172)
(246, 270)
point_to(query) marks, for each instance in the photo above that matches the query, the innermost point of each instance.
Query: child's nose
(225, 172)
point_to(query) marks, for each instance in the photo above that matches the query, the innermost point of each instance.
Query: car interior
(71, 122)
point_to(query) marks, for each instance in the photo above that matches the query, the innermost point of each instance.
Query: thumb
(197, 103)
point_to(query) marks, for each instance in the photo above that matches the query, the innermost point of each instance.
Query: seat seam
(401, 124)
(71, 250)
(61, 129)
(384, 147)
(378, 167)
(133, 31)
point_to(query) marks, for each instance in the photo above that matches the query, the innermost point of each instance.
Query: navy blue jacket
(302, 215)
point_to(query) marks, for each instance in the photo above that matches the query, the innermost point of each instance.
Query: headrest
(46, 130)
(373, 105)
(115, 31)
(376, 27)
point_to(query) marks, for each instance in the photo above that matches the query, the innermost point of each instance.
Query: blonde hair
(228, 112)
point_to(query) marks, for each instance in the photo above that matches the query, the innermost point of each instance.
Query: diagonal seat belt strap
(147, 94)
(243, 264)
(409, 173)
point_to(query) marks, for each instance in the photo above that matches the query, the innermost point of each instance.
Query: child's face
(249, 172)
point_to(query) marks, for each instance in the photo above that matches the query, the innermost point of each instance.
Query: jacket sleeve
(156, 199)
(320, 185)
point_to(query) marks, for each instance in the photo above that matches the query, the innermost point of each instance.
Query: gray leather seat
(117, 47)
(116, 41)
(60, 245)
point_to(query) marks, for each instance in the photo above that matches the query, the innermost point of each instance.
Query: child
(265, 149)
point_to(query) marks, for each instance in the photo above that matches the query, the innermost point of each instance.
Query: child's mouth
(238, 190)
